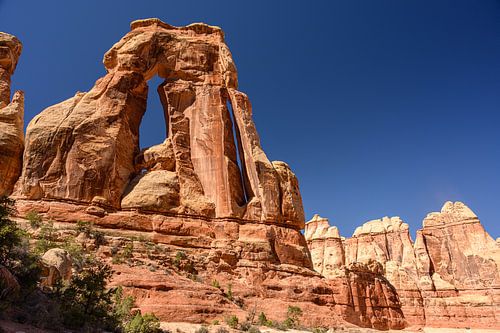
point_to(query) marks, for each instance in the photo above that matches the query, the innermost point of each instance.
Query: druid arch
(210, 163)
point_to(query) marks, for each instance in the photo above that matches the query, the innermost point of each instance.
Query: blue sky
(380, 107)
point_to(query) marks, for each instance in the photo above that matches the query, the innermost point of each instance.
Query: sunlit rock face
(86, 149)
(463, 265)
(11, 115)
(207, 191)
(450, 272)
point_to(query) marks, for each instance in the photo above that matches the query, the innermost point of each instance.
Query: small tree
(86, 300)
(34, 219)
(232, 321)
(262, 319)
(293, 315)
(10, 235)
(46, 238)
(15, 254)
(229, 293)
(148, 323)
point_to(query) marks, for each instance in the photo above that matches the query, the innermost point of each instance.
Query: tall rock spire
(11, 115)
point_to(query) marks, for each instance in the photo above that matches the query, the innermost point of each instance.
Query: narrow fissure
(239, 152)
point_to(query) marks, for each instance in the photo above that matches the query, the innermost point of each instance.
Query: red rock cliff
(449, 277)
(86, 149)
(203, 215)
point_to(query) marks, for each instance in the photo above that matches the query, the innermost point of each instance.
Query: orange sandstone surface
(213, 226)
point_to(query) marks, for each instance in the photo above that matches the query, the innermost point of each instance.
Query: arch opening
(153, 129)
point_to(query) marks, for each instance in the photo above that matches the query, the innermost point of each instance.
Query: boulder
(56, 266)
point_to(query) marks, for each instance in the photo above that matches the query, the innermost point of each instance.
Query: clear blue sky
(380, 107)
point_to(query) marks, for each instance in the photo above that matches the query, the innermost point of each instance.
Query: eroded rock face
(450, 273)
(464, 262)
(11, 115)
(325, 244)
(87, 146)
(208, 192)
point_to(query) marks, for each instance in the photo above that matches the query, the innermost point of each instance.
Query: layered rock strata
(11, 115)
(208, 199)
(448, 276)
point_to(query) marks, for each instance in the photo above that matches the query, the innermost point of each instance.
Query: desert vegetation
(84, 303)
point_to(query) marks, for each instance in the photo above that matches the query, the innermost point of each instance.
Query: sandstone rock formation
(325, 244)
(207, 192)
(207, 205)
(11, 115)
(450, 273)
(464, 266)
(86, 150)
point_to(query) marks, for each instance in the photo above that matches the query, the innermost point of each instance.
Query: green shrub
(76, 251)
(215, 322)
(122, 306)
(262, 319)
(46, 238)
(216, 284)
(86, 301)
(125, 321)
(147, 323)
(10, 235)
(179, 256)
(128, 251)
(293, 315)
(98, 237)
(87, 228)
(126, 254)
(232, 321)
(34, 219)
(15, 253)
(83, 227)
(222, 330)
(229, 292)
(25, 266)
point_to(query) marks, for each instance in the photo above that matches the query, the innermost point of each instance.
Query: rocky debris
(11, 115)
(450, 272)
(88, 145)
(56, 266)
